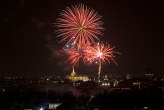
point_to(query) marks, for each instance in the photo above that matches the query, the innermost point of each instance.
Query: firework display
(80, 25)
(100, 52)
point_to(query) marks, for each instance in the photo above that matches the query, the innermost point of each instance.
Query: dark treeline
(150, 98)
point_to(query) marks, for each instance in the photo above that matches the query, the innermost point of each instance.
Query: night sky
(135, 27)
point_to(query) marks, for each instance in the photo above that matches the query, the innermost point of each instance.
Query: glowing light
(145, 108)
(105, 84)
(41, 108)
(96, 62)
(47, 79)
(67, 46)
(100, 54)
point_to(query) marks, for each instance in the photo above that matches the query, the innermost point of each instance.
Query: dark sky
(135, 27)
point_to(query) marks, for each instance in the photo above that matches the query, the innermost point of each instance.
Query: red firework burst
(80, 25)
(100, 52)
(73, 56)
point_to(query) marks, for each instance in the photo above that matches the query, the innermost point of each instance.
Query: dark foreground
(117, 99)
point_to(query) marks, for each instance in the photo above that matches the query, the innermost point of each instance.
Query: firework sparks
(100, 52)
(73, 56)
(80, 25)
(103, 52)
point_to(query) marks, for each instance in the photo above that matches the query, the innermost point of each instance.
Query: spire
(73, 72)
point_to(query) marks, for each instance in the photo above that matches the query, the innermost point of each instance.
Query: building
(73, 77)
